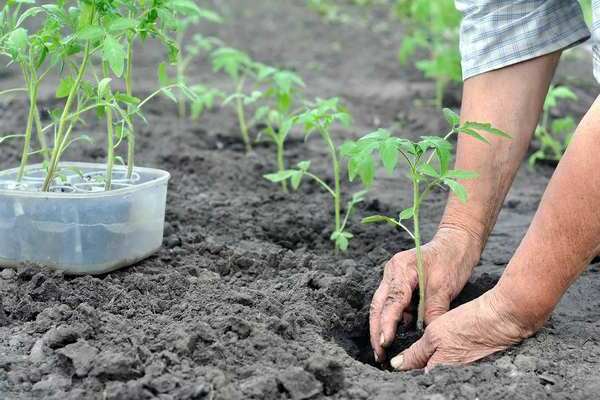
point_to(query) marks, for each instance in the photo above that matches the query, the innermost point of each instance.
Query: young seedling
(72, 36)
(279, 116)
(424, 174)
(553, 136)
(432, 26)
(239, 66)
(319, 118)
(192, 16)
(28, 50)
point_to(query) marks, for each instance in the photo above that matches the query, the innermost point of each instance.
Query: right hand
(448, 261)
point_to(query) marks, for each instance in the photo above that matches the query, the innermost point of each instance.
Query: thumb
(416, 356)
(436, 305)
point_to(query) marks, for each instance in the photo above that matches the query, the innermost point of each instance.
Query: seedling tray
(78, 227)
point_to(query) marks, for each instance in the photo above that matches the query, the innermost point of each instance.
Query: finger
(436, 305)
(375, 321)
(396, 300)
(416, 356)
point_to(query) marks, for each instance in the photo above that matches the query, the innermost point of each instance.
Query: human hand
(448, 262)
(468, 333)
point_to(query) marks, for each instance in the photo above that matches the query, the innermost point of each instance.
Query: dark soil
(246, 299)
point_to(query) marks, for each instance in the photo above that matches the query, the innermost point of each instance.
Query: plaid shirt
(498, 33)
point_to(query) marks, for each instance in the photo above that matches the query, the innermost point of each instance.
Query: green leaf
(389, 155)
(359, 197)
(64, 87)
(486, 127)
(341, 241)
(124, 98)
(379, 218)
(472, 133)
(452, 117)
(458, 189)
(17, 42)
(428, 170)
(104, 87)
(296, 179)
(121, 24)
(163, 75)
(114, 54)
(280, 176)
(406, 214)
(91, 33)
(461, 174)
(304, 165)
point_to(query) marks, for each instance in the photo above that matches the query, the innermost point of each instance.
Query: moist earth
(246, 299)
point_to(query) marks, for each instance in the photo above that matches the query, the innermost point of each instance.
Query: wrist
(466, 239)
(517, 308)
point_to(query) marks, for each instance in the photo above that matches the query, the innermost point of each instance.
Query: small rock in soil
(260, 387)
(329, 372)
(8, 274)
(300, 384)
(81, 355)
(52, 384)
(3, 317)
(526, 363)
(63, 335)
(116, 366)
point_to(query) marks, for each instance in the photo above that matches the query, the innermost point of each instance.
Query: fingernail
(381, 339)
(376, 358)
(397, 362)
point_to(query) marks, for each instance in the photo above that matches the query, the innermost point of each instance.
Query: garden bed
(246, 299)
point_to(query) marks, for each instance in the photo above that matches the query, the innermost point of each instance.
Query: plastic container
(78, 227)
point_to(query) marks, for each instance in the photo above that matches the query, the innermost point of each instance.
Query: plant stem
(241, 115)
(129, 91)
(181, 104)
(420, 269)
(57, 151)
(40, 135)
(29, 128)
(336, 177)
(110, 149)
(281, 164)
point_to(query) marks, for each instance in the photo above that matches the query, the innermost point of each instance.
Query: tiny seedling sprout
(319, 118)
(553, 135)
(424, 175)
(278, 116)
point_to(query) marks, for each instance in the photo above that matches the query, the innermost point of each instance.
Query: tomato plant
(425, 175)
(553, 135)
(319, 117)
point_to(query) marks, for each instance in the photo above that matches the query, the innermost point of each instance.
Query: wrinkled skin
(465, 334)
(448, 262)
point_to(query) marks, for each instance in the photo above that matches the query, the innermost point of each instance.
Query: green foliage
(432, 27)
(553, 135)
(277, 114)
(428, 160)
(79, 39)
(200, 96)
(319, 118)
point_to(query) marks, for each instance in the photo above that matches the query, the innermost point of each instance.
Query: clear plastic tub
(78, 227)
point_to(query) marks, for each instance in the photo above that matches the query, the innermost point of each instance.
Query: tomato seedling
(424, 175)
(204, 96)
(30, 52)
(319, 118)
(279, 115)
(240, 67)
(553, 135)
(432, 26)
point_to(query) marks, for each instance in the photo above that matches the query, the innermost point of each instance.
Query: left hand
(467, 333)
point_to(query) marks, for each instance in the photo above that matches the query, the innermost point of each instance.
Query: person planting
(507, 70)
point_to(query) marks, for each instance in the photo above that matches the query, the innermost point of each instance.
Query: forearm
(565, 232)
(510, 99)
